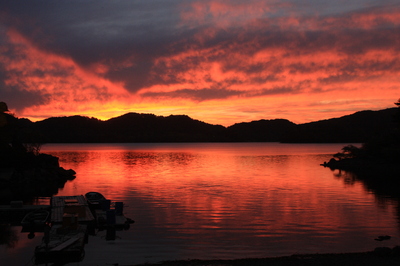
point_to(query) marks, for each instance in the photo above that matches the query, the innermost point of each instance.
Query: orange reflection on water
(273, 199)
(233, 193)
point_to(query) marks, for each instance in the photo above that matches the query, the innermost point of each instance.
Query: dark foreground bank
(381, 257)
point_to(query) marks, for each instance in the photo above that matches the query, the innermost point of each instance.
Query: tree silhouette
(385, 147)
(397, 116)
(6, 126)
(349, 151)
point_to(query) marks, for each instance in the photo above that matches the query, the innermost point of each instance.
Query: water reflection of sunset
(194, 192)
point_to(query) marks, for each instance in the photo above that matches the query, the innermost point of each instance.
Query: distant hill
(135, 127)
(358, 127)
(275, 130)
(131, 127)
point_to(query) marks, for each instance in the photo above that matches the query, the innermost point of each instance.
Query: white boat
(35, 221)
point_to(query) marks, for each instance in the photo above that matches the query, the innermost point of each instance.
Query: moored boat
(35, 221)
(95, 199)
(62, 245)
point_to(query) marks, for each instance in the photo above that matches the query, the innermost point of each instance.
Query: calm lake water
(220, 201)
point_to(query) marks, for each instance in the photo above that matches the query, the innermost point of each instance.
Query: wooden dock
(64, 241)
(118, 221)
(72, 219)
(61, 205)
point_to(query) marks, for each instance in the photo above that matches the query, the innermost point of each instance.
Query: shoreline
(380, 256)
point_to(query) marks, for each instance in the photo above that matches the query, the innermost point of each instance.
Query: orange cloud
(63, 84)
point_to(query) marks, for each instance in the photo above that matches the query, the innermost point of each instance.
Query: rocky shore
(363, 166)
(25, 173)
(33, 176)
(380, 176)
(380, 256)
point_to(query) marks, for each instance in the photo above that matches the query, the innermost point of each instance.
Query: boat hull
(62, 245)
(95, 199)
(35, 221)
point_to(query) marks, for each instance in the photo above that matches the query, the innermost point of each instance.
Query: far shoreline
(380, 256)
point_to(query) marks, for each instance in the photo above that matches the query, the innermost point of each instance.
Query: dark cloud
(196, 95)
(216, 93)
(91, 31)
(277, 91)
(18, 98)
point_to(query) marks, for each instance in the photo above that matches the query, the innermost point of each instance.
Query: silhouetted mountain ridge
(275, 130)
(358, 127)
(137, 127)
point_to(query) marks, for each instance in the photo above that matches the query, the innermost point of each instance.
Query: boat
(106, 217)
(95, 199)
(35, 221)
(62, 244)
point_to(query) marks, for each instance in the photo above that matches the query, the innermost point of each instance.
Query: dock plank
(58, 205)
(121, 221)
(65, 244)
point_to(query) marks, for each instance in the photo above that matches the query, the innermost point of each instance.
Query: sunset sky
(221, 62)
